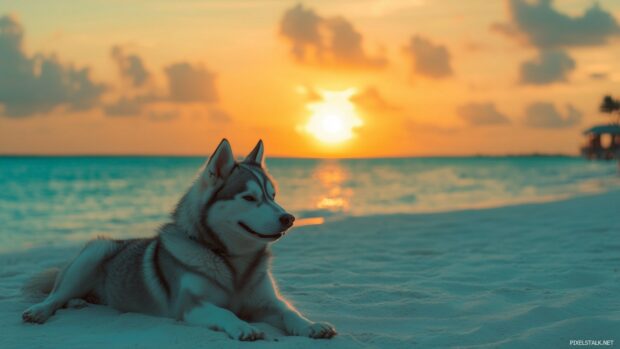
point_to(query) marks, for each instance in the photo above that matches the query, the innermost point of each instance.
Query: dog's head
(238, 200)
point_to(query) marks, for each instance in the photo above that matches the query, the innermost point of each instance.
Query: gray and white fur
(208, 266)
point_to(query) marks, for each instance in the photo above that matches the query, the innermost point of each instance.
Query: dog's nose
(287, 220)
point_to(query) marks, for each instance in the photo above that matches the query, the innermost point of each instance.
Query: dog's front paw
(318, 330)
(38, 313)
(321, 330)
(245, 332)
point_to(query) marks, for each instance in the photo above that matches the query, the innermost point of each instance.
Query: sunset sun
(333, 118)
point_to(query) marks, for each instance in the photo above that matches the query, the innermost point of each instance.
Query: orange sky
(432, 77)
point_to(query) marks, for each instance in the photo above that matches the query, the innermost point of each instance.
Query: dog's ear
(221, 162)
(256, 155)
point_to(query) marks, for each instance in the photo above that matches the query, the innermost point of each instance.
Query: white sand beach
(528, 276)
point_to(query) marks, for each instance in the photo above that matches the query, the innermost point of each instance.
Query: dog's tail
(40, 284)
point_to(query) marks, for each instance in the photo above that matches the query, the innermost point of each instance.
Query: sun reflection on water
(335, 197)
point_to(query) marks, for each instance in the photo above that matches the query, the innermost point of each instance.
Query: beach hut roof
(604, 129)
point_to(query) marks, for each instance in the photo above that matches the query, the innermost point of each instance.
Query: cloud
(346, 44)
(540, 25)
(219, 115)
(38, 84)
(325, 41)
(162, 115)
(599, 76)
(545, 115)
(416, 127)
(301, 26)
(190, 83)
(309, 92)
(371, 98)
(550, 66)
(129, 106)
(186, 84)
(429, 59)
(131, 67)
(124, 106)
(480, 114)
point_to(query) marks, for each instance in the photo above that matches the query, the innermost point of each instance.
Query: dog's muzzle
(262, 236)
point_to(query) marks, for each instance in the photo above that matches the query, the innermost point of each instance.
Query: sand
(528, 276)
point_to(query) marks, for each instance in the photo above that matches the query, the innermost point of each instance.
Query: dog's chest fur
(247, 273)
(232, 281)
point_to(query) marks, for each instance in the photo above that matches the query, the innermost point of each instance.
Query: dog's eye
(249, 198)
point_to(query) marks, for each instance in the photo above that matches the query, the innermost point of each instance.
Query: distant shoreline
(474, 156)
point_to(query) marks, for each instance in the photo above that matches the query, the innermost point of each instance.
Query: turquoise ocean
(59, 200)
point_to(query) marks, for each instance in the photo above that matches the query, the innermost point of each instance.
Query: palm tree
(611, 106)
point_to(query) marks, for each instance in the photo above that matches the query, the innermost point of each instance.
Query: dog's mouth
(262, 236)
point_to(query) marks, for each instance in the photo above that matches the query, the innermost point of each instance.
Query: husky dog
(208, 266)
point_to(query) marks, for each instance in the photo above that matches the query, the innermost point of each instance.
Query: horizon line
(130, 155)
